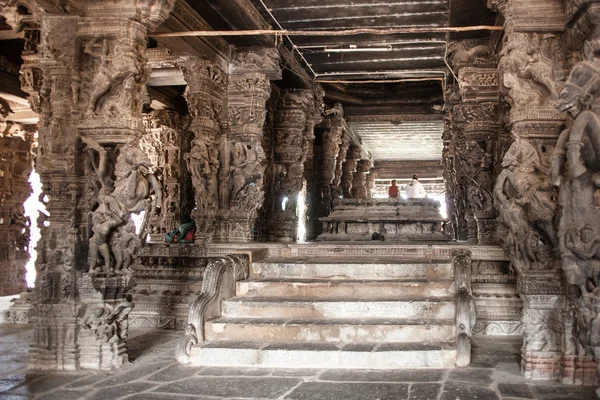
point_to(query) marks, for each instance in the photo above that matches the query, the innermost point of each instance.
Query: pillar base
(541, 365)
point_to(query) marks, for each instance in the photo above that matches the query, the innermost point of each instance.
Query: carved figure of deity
(247, 167)
(126, 242)
(108, 324)
(119, 66)
(201, 164)
(528, 69)
(112, 228)
(524, 199)
(136, 180)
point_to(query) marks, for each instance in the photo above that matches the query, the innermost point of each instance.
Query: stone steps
(324, 355)
(325, 313)
(333, 330)
(352, 270)
(285, 308)
(339, 289)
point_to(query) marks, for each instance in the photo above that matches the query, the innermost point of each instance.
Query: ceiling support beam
(344, 32)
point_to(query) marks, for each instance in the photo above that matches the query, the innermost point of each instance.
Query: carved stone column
(162, 143)
(455, 202)
(289, 151)
(575, 172)
(16, 164)
(206, 85)
(325, 163)
(359, 181)
(312, 197)
(248, 91)
(370, 185)
(336, 186)
(263, 225)
(349, 168)
(543, 306)
(87, 81)
(477, 116)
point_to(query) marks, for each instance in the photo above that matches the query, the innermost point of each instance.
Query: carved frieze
(468, 53)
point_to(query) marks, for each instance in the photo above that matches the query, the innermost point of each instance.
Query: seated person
(186, 233)
(414, 189)
(393, 191)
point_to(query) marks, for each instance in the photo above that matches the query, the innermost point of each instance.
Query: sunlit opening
(301, 234)
(284, 203)
(33, 207)
(138, 221)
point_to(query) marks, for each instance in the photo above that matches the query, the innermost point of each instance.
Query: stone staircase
(336, 314)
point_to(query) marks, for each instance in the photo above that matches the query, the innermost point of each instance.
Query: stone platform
(154, 375)
(395, 219)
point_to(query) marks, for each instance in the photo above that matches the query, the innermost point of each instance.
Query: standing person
(393, 191)
(414, 189)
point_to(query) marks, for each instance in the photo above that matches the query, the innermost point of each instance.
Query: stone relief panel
(531, 69)
(526, 203)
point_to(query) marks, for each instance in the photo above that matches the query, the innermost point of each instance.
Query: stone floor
(155, 375)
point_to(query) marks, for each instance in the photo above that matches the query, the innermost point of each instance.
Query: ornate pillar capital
(260, 60)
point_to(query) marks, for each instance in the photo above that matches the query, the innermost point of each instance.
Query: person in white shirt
(414, 189)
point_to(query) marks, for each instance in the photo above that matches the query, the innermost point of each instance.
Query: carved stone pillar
(336, 186)
(312, 197)
(244, 158)
(478, 117)
(455, 200)
(289, 151)
(15, 164)
(575, 172)
(325, 163)
(359, 181)
(349, 168)
(87, 81)
(206, 85)
(263, 225)
(370, 185)
(162, 143)
(543, 298)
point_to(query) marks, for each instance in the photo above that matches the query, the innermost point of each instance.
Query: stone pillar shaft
(249, 90)
(289, 151)
(86, 80)
(349, 168)
(204, 94)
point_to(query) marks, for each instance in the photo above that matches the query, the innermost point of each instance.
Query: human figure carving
(136, 180)
(577, 150)
(528, 71)
(125, 244)
(246, 169)
(199, 165)
(112, 215)
(105, 218)
(524, 200)
(114, 68)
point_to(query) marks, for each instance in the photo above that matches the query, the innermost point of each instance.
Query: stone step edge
(346, 281)
(356, 260)
(315, 356)
(335, 321)
(305, 300)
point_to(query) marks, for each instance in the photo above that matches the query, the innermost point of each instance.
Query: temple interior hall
(271, 199)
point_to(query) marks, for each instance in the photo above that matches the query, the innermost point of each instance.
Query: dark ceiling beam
(394, 117)
(405, 169)
(185, 18)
